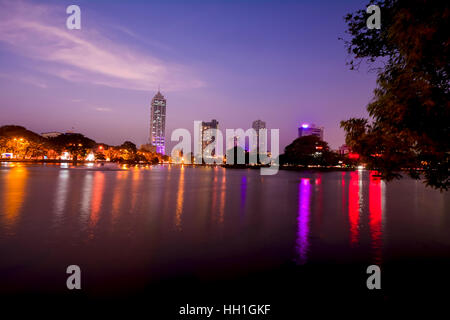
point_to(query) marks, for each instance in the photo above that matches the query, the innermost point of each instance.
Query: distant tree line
(25, 144)
(302, 152)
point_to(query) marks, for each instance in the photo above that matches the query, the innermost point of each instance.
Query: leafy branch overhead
(409, 125)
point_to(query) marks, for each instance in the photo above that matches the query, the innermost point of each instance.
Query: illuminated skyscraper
(310, 130)
(158, 122)
(206, 137)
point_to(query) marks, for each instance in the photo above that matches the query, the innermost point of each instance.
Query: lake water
(130, 227)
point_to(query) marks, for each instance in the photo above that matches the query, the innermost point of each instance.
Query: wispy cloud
(28, 79)
(103, 109)
(142, 39)
(38, 32)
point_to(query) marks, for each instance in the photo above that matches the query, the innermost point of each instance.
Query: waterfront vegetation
(304, 153)
(18, 143)
(408, 129)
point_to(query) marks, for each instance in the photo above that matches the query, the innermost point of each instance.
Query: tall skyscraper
(260, 128)
(206, 137)
(310, 130)
(158, 123)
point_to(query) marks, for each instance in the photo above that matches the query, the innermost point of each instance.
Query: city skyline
(105, 95)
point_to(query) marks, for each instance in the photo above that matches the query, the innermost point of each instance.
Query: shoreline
(226, 166)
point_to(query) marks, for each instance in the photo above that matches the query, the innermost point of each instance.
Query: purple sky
(235, 61)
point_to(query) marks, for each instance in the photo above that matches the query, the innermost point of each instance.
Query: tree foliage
(409, 125)
(308, 150)
(12, 131)
(75, 143)
(129, 146)
(22, 142)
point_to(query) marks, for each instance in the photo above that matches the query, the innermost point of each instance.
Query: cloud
(38, 32)
(102, 109)
(142, 39)
(28, 79)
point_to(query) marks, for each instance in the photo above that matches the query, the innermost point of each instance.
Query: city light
(65, 156)
(305, 126)
(90, 157)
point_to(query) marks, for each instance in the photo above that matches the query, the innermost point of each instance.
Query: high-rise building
(310, 130)
(261, 131)
(206, 137)
(158, 123)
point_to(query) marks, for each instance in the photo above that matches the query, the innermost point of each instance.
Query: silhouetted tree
(308, 150)
(409, 127)
(75, 143)
(129, 146)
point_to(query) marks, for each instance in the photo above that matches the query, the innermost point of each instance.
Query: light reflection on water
(61, 195)
(86, 196)
(354, 206)
(119, 194)
(97, 197)
(180, 192)
(205, 215)
(13, 197)
(304, 211)
(376, 200)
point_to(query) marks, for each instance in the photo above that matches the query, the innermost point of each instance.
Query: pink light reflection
(353, 207)
(304, 211)
(375, 217)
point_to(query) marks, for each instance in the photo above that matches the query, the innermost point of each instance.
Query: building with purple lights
(307, 129)
(158, 122)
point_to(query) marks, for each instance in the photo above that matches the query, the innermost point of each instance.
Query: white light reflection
(61, 195)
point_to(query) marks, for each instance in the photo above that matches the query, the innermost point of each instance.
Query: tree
(409, 125)
(308, 150)
(128, 152)
(12, 131)
(100, 156)
(23, 143)
(129, 146)
(75, 143)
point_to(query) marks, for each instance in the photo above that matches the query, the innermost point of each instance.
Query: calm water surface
(138, 225)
